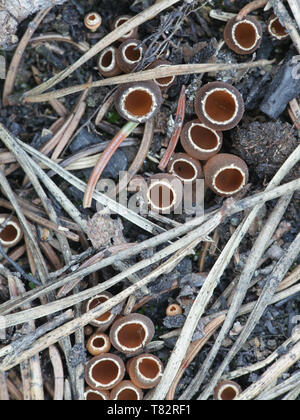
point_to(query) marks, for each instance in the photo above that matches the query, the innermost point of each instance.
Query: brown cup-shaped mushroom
(107, 63)
(104, 371)
(164, 193)
(127, 391)
(145, 370)
(200, 141)
(12, 233)
(94, 394)
(103, 321)
(186, 168)
(219, 105)
(226, 174)
(138, 102)
(163, 82)
(118, 22)
(92, 21)
(173, 310)
(129, 55)
(275, 29)
(243, 36)
(130, 334)
(98, 343)
(227, 391)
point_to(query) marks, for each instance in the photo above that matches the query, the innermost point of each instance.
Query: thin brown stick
(13, 68)
(159, 72)
(251, 7)
(58, 373)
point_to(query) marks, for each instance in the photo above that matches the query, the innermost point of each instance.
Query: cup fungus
(186, 168)
(145, 370)
(164, 193)
(219, 105)
(243, 36)
(104, 371)
(163, 82)
(98, 343)
(227, 391)
(12, 233)
(275, 29)
(200, 141)
(127, 391)
(138, 102)
(129, 334)
(92, 21)
(129, 55)
(94, 394)
(173, 309)
(226, 174)
(107, 63)
(118, 22)
(105, 320)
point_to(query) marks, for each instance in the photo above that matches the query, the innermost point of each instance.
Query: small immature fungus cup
(200, 141)
(275, 29)
(226, 174)
(131, 333)
(227, 391)
(98, 343)
(164, 193)
(120, 20)
(104, 371)
(163, 82)
(103, 321)
(138, 102)
(107, 63)
(92, 21)
(219, 105)
(186, 168)
(12, 233)
(145, 370)
(91, 394)
(127, 391)
(173, 310)
(129, 55)
(243, 36)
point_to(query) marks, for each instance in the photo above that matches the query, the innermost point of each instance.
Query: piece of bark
(12, 12)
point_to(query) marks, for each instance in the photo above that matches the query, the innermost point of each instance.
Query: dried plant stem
(14, 65)
(251, 7)
(293, 394)
(104, 159)
(82, 46)
(260, 365)
(282, 388)
(58, 373)
(290, 280)
(159, 72)
(113, 36)
(272, 373)
(4, 395)
(295, 7)
(179, 119)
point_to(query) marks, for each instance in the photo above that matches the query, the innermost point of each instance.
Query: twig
(272, 373)
(58, 373)
(295, 7)
(104, 159)
(81, 46)
(282, 388)
(251, 7)
(159, 72)
(13, 68)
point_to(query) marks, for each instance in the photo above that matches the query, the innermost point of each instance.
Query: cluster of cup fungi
(105, 371)
(219, 107)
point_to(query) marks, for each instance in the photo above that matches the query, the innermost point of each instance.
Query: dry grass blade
(159, 72)
(58, 373)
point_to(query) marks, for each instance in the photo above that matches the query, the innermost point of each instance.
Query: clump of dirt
(265, 146)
